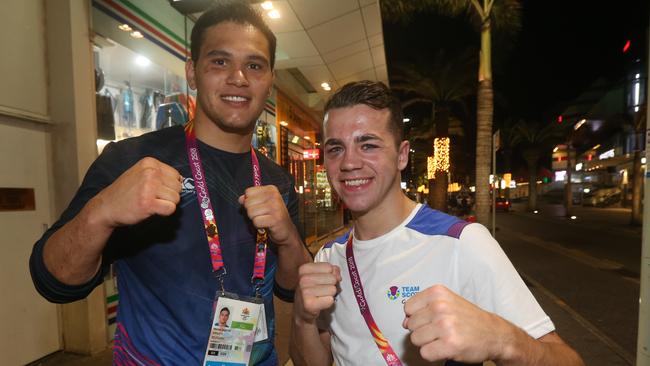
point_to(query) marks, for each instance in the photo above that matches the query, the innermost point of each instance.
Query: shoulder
(323, 254)
(162, 144)
(433, 222)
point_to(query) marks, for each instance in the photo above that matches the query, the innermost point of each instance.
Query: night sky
(561, 48)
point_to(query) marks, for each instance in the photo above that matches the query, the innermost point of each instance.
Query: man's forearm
(306, 346)
(547, 350)
(291, 256)
(73, 253)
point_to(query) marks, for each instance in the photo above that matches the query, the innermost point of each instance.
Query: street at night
(584, 273)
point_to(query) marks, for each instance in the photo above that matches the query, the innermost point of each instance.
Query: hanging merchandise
(170, 114)
(186, 102)
(127, 114)
(146, 105)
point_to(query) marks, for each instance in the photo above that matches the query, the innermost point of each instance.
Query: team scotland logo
(393, 292)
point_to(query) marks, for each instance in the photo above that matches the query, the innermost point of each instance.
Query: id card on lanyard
(229, 345)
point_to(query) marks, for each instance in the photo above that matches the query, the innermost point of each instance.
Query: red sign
(310, 154)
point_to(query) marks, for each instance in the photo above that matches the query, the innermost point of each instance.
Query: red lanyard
(209, 220)
(382, 343)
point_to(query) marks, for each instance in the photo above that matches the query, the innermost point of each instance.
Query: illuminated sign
(310, 154)
(606, 155)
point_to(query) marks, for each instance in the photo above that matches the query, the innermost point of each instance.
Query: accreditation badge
(233, 331)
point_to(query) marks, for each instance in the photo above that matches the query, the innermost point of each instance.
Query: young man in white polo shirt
(420, 287)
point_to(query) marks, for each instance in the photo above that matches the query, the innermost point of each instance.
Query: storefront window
(136, 95)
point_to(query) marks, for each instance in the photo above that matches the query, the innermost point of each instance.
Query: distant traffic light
(627, 46)
(560, 119)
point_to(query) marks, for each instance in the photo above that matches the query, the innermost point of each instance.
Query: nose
(237, 77)
(351, 160)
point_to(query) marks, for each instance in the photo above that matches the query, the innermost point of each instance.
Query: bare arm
(73, 253)
(309, 346)
(547, 350)
(446, 326)
(317, 287)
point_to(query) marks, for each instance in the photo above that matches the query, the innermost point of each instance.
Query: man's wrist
(511, 342)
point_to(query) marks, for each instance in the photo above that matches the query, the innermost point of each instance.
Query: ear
(190, 73)
(403, 154)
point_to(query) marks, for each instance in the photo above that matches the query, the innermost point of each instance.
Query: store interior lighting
(125, 27)
(274, 14)
(142, 61)
(326, 86)
(267, 5)
(136, 34)
(307, 138)
(284, 123)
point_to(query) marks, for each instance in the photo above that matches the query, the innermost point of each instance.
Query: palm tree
(536, 139)
(445, 82)
(502, 14)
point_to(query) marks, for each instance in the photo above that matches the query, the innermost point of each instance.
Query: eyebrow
(358, 139)
(222, 53)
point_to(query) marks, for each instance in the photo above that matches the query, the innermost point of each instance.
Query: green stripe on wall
(151, 20)
(112, 298)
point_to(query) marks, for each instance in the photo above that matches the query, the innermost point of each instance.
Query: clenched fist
(148, 188)
(446, 326)
(266, 209)
(317, 287)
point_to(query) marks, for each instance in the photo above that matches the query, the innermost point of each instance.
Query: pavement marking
(609, 342)
(575, 254)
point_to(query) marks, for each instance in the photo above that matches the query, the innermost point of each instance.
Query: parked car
(502, 204)
(602, 196)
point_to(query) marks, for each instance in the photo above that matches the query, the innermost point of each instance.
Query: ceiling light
(142, 61)
(125, 27)
(274, 14)
(267, 5)
(326, 86)
(307, 138)
(406, 120)
(284, 123)
(136, 34)
(295, 139)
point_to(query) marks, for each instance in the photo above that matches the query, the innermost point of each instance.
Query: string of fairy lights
(439, 162)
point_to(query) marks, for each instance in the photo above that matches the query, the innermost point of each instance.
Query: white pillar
(74, 133)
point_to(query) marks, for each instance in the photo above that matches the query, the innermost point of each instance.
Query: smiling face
(362, 160)
(232, 76)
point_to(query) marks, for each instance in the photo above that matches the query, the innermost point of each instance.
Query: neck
(384, 218)
(209, 133)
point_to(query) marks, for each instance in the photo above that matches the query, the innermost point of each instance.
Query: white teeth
(356, 182)
(234, 98)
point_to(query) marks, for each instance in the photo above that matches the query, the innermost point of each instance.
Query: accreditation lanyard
(382, 343)
(209, 220)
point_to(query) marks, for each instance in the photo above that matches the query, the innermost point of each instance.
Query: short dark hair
(374, 94)
(230, 11)
(226, 309)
